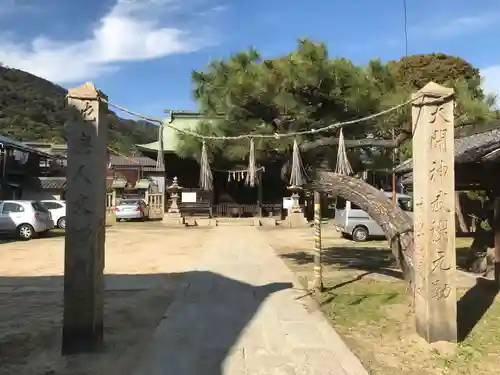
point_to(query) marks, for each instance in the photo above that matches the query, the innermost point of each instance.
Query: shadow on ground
(202, 324)
(370, 259)
(470, 308)
(473, 305)
(9, 238)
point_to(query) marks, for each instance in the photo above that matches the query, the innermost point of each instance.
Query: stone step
(238, 222)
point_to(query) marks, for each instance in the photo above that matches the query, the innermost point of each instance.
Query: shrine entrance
(233, 197)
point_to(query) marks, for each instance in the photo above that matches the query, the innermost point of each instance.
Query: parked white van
(353, 222)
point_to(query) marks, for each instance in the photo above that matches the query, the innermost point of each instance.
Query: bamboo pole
(318, 267)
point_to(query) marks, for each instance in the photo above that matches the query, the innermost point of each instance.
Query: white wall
(160, 180)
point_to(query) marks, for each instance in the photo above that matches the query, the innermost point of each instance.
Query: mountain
(33, 109)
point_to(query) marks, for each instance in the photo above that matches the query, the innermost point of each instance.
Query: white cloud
(456, 26)
(130, 31)
(11, 7)
(491, 80)
(215, 9)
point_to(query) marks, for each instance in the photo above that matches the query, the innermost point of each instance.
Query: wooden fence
(156, 205)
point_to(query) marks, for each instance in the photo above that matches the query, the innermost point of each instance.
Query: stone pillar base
(295, 220)
(174, 220)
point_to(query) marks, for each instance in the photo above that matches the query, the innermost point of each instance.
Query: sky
(141, 52)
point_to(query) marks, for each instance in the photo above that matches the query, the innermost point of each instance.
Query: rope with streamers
(251, 177)
(298, 174)
(277, 135)
(160, 163)
(206, 179)
(343, 166)
(245, 170)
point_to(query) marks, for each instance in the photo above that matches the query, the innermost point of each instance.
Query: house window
(406, 204)
(9, 207)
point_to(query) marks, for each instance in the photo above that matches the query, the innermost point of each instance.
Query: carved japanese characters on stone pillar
(434, 213)
(85, 228)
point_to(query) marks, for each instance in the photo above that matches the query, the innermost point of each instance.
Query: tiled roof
(46, 183)
(7, 141)
(133, 161)
(470, 149)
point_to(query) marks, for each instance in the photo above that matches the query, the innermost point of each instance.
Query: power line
(405, 10)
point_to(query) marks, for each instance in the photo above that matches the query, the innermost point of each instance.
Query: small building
(135, 173)
(21, 169)
(477, 167)
(230, 193)
(477, 162)
(126, 174)
(43, 187)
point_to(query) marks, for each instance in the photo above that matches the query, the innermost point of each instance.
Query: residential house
(135, 173)
(20, 172)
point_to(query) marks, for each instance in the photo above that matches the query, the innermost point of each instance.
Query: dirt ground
(144, 264)
(370, 306)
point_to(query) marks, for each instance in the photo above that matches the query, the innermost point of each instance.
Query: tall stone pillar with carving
(434, 214)
(86, 216)
(496, 234)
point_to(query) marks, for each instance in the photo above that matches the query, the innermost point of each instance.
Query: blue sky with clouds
(141, 52)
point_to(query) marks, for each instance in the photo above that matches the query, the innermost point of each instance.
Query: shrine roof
(479, 147)
(184, 120)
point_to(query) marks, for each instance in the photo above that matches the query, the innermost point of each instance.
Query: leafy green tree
(416, 71)
(306, 89)
(302, 90)
(32, 108)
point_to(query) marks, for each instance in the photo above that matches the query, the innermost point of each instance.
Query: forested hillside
(32, 108)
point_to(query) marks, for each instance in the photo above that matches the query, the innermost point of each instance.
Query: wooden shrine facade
(230, 196)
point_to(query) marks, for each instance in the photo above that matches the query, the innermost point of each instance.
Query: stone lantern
(174, 215)
(295, 190)
(295, 217)
(174, 190)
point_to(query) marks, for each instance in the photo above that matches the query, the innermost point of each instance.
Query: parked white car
(24, 218)
(58, 210)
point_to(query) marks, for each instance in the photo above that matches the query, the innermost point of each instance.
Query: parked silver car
(26, 218)
(352, 221)
(131, 208)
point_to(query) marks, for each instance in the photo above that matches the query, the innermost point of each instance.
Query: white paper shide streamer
(251, 176)
(159, 158)
(206, 180)
(297, 176)
(343, 166)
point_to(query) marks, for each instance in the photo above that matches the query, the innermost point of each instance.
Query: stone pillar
(86, 215)
(496, 233)
(434, 214)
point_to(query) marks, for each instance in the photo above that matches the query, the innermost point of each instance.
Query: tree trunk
(397, 225)
(460, 215)
(481, 252)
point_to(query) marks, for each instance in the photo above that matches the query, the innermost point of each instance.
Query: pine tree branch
(358, 143)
